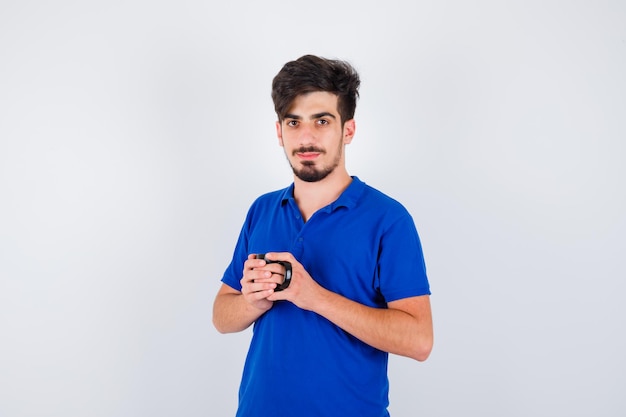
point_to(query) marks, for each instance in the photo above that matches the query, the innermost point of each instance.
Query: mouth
(307, 154)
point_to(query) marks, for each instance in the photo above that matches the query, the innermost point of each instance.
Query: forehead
(314, 103)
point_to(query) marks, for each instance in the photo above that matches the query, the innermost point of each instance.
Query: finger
(253, 263)
(279, 256)
(255, 276)
(257, 292)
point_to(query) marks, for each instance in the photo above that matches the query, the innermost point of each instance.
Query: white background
(134, 135)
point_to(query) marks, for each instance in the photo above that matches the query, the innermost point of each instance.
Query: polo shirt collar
(348, 198)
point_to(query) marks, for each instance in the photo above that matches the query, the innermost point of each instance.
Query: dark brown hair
(311, 73)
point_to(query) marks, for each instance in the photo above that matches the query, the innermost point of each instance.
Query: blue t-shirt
(363, 246)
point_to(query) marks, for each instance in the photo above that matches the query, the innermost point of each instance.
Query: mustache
(305, 149)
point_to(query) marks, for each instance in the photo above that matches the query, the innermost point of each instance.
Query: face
(313, 137)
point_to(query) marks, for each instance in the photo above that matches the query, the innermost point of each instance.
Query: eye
(292, 123)
(322, 122)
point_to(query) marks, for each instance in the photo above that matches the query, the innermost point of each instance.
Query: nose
(306, 134)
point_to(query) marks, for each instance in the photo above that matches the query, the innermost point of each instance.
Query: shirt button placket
(298, 247)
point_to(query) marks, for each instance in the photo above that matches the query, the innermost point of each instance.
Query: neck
(312, 196)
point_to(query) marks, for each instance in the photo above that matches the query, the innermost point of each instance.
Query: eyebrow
(315, 116)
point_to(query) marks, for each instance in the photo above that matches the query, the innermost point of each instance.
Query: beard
(309, 171)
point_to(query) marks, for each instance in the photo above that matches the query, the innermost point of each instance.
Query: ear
(349, 128)
(279, 134)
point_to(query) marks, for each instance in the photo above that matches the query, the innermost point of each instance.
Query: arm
(231, 313)
(404, 328)
(233, 310)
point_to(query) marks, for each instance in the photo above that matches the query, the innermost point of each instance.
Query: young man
(358, 287)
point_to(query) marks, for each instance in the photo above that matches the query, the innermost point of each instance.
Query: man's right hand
(259, 281)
